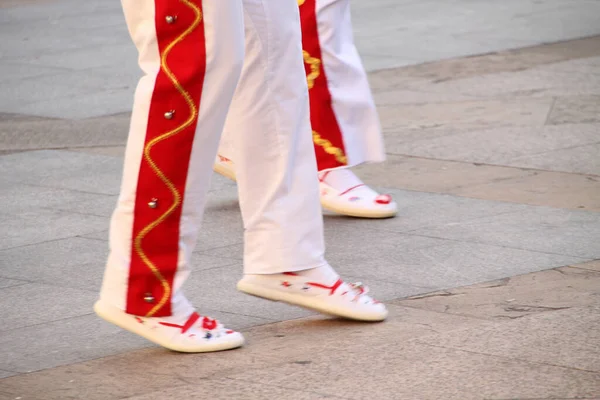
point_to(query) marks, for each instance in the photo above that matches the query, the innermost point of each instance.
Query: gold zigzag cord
(176, 195)
(315, 68)
(329, 148)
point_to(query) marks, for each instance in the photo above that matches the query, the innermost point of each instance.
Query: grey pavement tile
(592, 265)
(453, 264)
(53, 10)
(43, 133)
(114, 151)
(418, 210)
(300, 339)
(575, 109)
(480, 114)
(38, 304)
(581, 159)
(569, 232)
(17, 72)
(517, 296)
(26, 228)
(90, 103)
(74, 262)
(17, 94)
(64, 170)
(225, 389)
(122, 52)
(498, 145)
(409, 370)
(99, 235)
(83, 338)
(17, 197)
(6, 374)
(267, 345)
(5, 282)
(543, 80)
(99, 205)
(568, 338)
(120, 375)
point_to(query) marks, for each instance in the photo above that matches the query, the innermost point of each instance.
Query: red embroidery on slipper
(138, 319)
(322, 179)
(224, 159)
(290, 273)
(209, 324)
(185, 327)
(352, 188)
(331, 288)
(286, 284)
(229, 331)
(383, 199)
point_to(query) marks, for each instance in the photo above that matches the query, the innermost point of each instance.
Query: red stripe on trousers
(187, 61)
(322, 116)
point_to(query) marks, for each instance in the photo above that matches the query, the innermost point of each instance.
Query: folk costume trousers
(201, 59)
(345, 126)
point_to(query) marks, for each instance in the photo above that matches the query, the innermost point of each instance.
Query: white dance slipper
(224, 166)
(357, 201)
(189, 334)
(341, 299)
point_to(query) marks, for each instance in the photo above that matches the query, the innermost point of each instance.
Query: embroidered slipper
(224, 166)
(347, 300)
(189, 334)
(357, 201)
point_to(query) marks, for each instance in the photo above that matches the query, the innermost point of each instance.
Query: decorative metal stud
(170, 19)
(169, 114)
(153, 203)
(148, 298)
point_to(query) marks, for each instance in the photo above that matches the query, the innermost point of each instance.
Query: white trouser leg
(351, 96)
(275, 161)
(155, 224)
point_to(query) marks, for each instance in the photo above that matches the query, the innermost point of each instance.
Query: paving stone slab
(517, 296)
(418, 210)
(568, 232)
(454, 264)
(575, 109)
(580, 159)
(83, 338)
(268, 345)
(27, 228)
(568, 338)
(91, 103)
(4, 282)
(74, 263)
(17, 133)
(226, 389)
(64, 170)
(542, 188)
(592, 265)
(16, 197)
(499, 145)
(559, 79)
(35, 304)
(485, 182)
(410, 370)
(479, 113)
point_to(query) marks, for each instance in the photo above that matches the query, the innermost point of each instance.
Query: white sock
(324, 274)
(340, 179)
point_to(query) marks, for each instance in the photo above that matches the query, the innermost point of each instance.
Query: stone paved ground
(491, 270)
